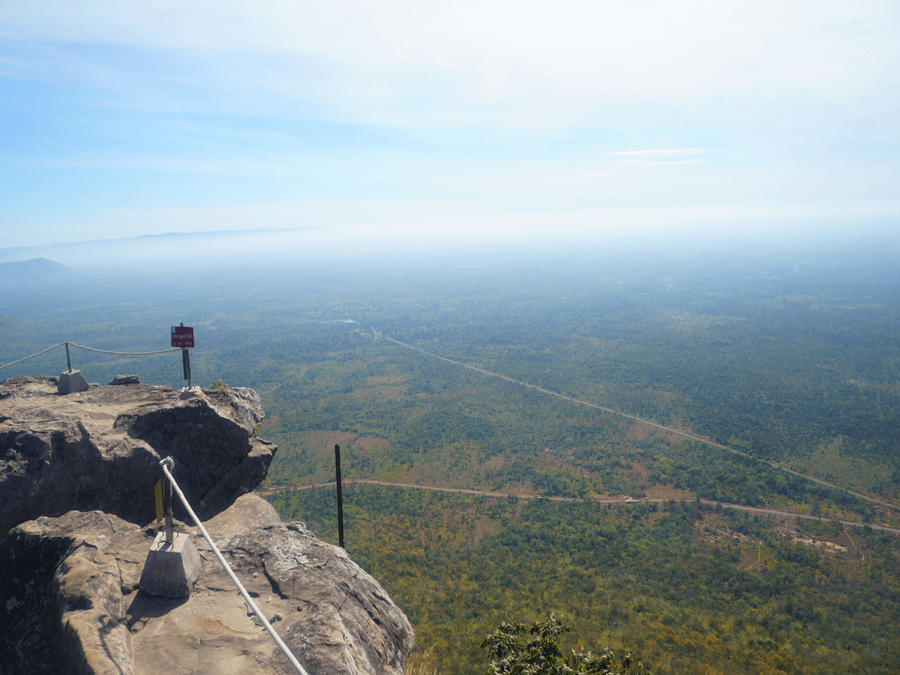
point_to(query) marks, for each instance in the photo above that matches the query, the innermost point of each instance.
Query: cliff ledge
(76, 486)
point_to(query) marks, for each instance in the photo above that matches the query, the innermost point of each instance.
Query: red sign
(183, 336)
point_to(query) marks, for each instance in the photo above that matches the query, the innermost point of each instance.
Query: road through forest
(655, 425)
(611, 502)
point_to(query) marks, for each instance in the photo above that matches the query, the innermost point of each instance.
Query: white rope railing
(33, 355)
(93, 349)
(107, 351)
(166, 464)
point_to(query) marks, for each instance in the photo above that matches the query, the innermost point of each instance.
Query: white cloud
(672, 151)
(657, 163)
(517, 106)
(566, 61)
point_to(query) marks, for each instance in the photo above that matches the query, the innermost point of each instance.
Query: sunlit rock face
(100, 448)
(70, 586)
(76, 486)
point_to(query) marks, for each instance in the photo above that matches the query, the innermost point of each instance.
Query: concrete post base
(171, 571)
(191, 392)
(71, 381)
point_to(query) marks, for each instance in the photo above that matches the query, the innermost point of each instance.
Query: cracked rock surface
(100, 449)
(73, 605)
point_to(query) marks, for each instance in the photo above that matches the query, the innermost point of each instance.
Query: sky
(127, 119)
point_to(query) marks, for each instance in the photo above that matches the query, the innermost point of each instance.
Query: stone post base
(171, 570)
(71, 381)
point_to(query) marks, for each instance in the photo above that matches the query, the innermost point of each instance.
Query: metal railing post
(167, 503)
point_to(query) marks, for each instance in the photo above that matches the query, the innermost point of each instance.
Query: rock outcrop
(76, 486)
(70, 589)
(100, 449)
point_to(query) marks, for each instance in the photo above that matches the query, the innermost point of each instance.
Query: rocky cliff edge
(69, 583)
(100, 449)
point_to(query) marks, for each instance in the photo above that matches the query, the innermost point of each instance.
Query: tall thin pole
(68, 357)
(340, 498)
(167, 504)
(186, 363)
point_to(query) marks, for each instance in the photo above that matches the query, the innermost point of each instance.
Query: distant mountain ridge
(35, 271)
(154, 253)
(11, 253)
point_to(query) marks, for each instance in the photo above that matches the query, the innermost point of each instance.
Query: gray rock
(248, 511)
(70, 586)
(26, 385)
(100, 449)
(125, 379)
(53, 568)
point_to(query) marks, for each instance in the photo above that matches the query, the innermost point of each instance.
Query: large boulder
(100, 449)
(70, 589)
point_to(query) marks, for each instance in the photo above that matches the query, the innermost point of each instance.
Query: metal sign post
(183, 336)
(186, 364)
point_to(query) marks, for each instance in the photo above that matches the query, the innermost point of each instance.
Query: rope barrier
(92, 349)
(106, 351)
(33, 355)
(169, 462)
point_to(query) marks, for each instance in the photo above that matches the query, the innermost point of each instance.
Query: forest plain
(632, 432)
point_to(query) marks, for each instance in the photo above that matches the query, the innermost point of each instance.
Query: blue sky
(124, 119)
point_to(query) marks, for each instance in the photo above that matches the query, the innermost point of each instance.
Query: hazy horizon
(261, 249)
(393, 118)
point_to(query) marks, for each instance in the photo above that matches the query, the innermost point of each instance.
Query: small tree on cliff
(513, 652)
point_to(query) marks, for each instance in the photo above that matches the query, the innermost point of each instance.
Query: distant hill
(35, 271)
(159, 255)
